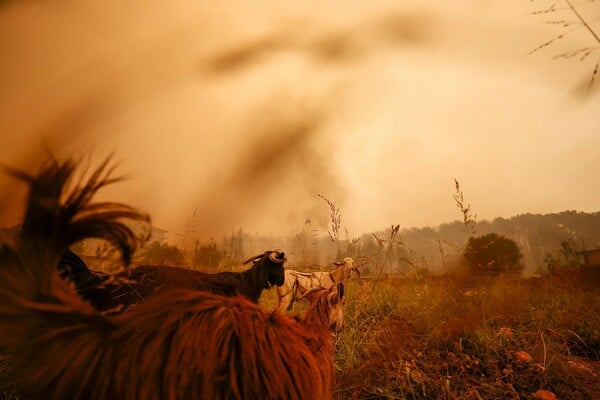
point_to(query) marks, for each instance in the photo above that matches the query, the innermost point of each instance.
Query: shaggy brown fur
(180, 344)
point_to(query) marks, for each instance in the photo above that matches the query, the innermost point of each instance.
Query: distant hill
(429, 247)
(433, 248)
(535, 234)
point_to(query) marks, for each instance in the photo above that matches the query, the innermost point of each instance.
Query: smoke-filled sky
(245, 111)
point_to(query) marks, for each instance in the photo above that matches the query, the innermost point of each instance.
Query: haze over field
(246, 112)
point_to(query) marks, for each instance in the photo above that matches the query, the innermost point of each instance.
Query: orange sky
(246, 112)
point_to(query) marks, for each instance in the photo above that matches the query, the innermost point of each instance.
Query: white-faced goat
(298, 282)
(180, 344)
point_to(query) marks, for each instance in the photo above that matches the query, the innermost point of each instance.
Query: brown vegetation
(455, 338)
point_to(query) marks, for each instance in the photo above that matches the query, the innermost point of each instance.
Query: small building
(158, 235)
(591, 258)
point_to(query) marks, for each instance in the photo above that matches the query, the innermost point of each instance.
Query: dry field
(457, 337)
(454, 337)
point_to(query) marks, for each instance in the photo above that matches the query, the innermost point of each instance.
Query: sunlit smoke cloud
(270, 183)
(384, 104)
(343, 45)
(64, 134)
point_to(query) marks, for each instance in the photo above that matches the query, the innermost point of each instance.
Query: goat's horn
(256, 257)
(277, 256)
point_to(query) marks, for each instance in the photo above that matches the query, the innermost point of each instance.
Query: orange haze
(246, 111)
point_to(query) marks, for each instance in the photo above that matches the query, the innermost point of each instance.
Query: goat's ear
(341, 290)
(338, 264)
(336, 293)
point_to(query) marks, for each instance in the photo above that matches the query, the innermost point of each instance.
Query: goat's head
(349, 267)
(328, 301)
(271, 263)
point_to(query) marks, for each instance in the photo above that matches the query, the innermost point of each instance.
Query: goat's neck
(316, 318)
(337, 274)
(253, 280)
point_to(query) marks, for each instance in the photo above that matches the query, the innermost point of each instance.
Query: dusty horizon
(246, 113)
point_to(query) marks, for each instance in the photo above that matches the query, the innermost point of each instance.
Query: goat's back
(139, 284)
(180, 344)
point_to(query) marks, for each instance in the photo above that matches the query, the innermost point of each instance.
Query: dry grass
(445, 338)
(571, 17)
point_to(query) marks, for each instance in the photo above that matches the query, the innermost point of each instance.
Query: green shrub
(493, 254)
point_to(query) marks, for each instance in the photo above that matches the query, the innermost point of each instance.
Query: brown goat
(179, 344)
